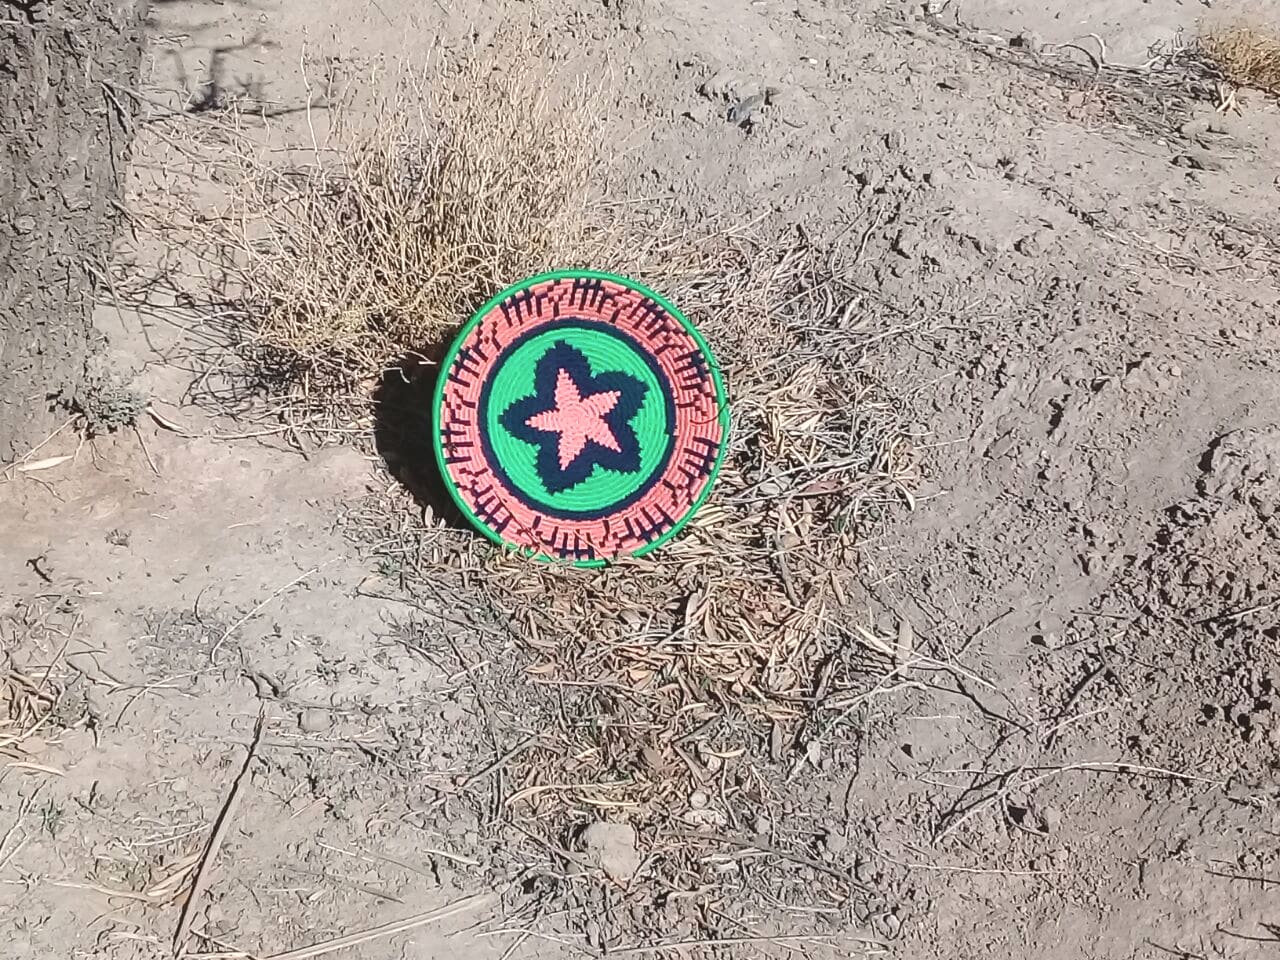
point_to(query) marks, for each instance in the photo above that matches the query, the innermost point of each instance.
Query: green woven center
(514, 381)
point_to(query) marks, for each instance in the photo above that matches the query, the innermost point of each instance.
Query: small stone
(891, 925)
(835, 842)
(893, 140)
(24, 224)
(1001, 447)
(1051, 817)
(452, 713)
(1028, 40)
(864, 872)
(1197, 159)
(958, 84)
(871, 178)
(813, 752)
(612, 848)
(937, 178)
(698, 800)
(314, 720)
(456, 828)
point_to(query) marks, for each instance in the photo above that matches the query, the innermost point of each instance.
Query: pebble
(864, 872)
(1197, 159)
(891, 925)
(893, 140)
(1052, 819)
(1028, 40)
(871, 178)
(314, 720)
(612, 848)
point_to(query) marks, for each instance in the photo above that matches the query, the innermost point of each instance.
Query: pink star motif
(577, 419)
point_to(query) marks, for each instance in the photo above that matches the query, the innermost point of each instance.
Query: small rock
(1197, 159)
(612, 848)
(1028, 40)
(698, 800)
(746, 111)
(1001, 446)
(835, 842)
(452, 713)
(890, 925)
(937, 178)
(864, 872)
(906, 243)
(456, 828)
(893, 140)
(729, 85)
(871, 178)
(1051, 817)
(24, 224)
(314, 720)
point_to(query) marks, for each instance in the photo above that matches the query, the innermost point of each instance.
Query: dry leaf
(44, 464)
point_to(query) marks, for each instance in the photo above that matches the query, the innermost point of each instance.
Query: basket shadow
(403, 433)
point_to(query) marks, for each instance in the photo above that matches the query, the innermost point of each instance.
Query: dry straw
(1247, 52)
(406, 212)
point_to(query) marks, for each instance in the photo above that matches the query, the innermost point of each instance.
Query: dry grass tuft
(34, 700)
(1247, 52)
(408, 213)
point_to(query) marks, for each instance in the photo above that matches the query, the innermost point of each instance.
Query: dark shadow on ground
(402, 432)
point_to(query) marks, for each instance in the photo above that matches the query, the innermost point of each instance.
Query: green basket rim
(438, 399)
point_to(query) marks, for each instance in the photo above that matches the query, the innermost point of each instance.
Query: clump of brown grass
(1247, 52)
(31, 697)
(407, 213)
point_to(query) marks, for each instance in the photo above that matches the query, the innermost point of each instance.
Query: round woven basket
(580, 418)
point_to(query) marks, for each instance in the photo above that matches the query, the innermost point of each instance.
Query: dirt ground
(60, 182)
(1082, 762)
